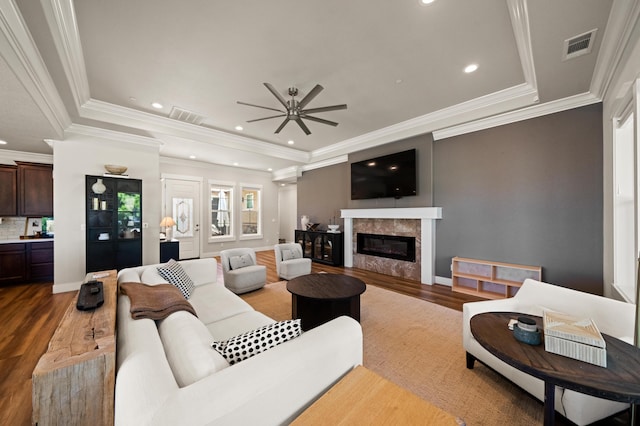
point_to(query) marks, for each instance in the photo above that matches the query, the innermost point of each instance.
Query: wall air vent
(579, 45)
(186, 116)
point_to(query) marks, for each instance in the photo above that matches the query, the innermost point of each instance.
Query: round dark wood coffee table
(319, 298)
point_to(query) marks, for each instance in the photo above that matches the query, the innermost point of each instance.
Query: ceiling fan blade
(260, 106)
(324, 109)
(312, 94)
(284, 123)
(275, 93)
(320, 120)
(266, 118)
(303, 126)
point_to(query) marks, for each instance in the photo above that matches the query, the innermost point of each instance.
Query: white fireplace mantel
(426, 215)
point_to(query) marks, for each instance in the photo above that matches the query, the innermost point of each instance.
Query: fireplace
(390, 246)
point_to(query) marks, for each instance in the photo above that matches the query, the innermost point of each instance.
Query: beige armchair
(241, 271)
(290, 262)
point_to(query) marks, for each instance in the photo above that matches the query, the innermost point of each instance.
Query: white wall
(627, 72)
(86, 154)
(206, 171)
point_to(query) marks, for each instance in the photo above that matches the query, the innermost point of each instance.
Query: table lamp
(167, 222)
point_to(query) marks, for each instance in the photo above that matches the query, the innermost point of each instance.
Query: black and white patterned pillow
(253, 342)
(172, 272)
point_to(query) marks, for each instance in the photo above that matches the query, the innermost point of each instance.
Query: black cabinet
(169, 250)
(322, 247)
(114, 223)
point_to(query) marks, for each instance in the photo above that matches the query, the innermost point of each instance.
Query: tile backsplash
(13, 227)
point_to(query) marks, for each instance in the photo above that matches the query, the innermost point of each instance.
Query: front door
(182, 202)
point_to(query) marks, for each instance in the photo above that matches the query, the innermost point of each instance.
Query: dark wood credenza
(321, 246)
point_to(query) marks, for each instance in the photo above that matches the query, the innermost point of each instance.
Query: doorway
(181, 201)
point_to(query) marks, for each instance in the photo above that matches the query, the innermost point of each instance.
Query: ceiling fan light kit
(295, 109)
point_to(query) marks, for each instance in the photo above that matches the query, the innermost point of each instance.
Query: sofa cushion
(174, 273)
(186, 342)
(257, 341)
(230, 327)
(237, 262)
(152, 277)
(214, 302)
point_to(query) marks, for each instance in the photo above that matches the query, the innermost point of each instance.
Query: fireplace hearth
(389, 246)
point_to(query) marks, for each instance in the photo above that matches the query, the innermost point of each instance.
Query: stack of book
(574, 337)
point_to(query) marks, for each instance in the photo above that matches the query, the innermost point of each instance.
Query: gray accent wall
(322, 193)
(529, 193)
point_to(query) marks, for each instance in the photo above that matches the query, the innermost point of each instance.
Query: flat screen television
(392, 175)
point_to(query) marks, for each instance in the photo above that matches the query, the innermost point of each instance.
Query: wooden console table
(74, 381)
(363, 397)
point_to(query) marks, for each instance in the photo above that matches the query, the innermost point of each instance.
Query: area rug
(418, 345)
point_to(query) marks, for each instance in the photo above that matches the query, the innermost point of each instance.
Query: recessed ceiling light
(399, 81)
(3, 142)
(470, 68)
(235, 164)
(269, 169)
(424, 2)
(282, 184)
(132, 99)
(156, 105)
(290, 142)
(238, 128)
(193, 157)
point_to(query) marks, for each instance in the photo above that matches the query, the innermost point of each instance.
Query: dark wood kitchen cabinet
(35, 189)
(8, 190)
(26, 190)
(40, 261)
(13, 263)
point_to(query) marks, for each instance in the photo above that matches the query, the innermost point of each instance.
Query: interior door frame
(198, 179)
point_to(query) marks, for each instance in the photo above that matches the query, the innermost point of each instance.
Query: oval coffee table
(319, 298)
(619, 381)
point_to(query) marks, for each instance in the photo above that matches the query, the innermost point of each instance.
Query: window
(251, 211)
(221, 214)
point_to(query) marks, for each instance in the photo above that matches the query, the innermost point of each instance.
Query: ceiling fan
(295, 110)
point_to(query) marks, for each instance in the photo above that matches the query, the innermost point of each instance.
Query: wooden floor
(29, 314)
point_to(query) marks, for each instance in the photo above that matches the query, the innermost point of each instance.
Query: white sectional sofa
(167, 373)
(612, 317)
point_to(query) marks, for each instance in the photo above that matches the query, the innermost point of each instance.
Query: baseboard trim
(443, 281)
(62, 288)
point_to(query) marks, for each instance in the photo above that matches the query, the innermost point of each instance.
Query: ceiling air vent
(186, 116)
(579, 45)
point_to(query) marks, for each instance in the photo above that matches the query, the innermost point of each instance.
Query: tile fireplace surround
(386, 221)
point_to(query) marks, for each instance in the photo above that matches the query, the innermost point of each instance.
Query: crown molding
(8, 156)
(325, 163)
(622, 21)
(287, 175)
(103, 111)
(60, 16)
(95, 132)
(521, 31)
(22, 56)
(493, 103)
(519, 115)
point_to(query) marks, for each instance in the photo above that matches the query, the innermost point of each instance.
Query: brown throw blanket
(155, 302)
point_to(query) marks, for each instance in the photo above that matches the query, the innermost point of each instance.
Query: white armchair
(290, 262)
(241, 271)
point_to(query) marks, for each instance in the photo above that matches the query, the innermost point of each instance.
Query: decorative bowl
(528, 337)
(333, 228)
(115, 169)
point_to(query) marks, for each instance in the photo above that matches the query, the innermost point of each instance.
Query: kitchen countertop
(26, 240)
